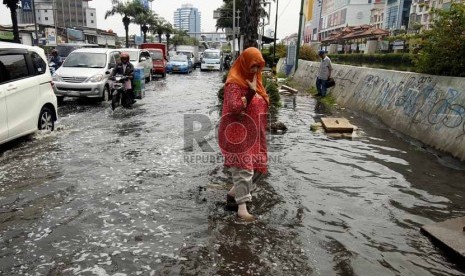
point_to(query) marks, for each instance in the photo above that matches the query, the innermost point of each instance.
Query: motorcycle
(226, 64)
(119, 95)
(52, 67)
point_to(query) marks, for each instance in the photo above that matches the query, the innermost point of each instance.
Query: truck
(159, 59)
(190, 51)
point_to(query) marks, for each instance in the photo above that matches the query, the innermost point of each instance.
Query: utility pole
(275, 32)
(234, 31)
(299, 34)
(36, 42)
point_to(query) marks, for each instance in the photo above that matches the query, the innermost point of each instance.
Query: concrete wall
(428, 108)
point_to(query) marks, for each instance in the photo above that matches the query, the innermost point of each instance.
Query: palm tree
(250, 19)
(160, 26)
(13, 5)
(145, 20)
(252, 12)
(129, 10)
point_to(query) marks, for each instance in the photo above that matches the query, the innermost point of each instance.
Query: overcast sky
(287, 21)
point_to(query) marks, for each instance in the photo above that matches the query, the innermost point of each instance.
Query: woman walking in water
(243, 127)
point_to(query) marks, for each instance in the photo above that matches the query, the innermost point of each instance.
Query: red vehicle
(158, 53)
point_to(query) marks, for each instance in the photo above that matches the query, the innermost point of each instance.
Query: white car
(27, 100)
(212, 60)
(86, 73)
(140, 58)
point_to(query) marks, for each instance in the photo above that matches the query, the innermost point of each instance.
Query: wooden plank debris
(340, 125)
(450, 236)
(290, 89)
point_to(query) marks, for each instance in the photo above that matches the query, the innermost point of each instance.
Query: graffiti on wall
(417, 97)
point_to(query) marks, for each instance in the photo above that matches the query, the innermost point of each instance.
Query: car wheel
(46, 121)
(164, 75)
(105, 95)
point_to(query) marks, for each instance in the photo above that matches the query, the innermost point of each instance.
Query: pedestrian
(242, 128)
(125, 68)
(324, 73)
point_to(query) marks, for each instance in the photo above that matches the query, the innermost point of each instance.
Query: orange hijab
(239, 72)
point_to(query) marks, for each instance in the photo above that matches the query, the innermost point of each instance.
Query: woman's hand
(253, 84)
(244, 101)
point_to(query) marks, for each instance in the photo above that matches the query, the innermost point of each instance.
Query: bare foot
(244, 214)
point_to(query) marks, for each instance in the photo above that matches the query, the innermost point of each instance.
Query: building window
(46, 18)
(45, 11)
(91, 14)
(92, 21)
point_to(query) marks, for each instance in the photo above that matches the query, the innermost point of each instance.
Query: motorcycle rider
(55, 60)
(126, 69)
(227, 62)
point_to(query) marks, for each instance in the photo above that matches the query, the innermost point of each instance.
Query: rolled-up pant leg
(242, 180)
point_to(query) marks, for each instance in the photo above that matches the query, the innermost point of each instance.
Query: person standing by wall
(242, 130)
(324, 73)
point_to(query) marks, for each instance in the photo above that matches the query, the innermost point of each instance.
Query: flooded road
(119, 193)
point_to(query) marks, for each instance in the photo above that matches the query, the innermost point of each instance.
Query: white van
(212, 60)
(27, 100)
(85, 73)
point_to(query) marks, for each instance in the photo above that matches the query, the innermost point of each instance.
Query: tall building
(68, 13)
(396, 14)
(188, 18)
(336, 14)
(313, 18)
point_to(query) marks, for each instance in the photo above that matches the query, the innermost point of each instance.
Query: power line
(284, 10)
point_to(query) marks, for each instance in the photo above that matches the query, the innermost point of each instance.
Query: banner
(26, 5)
(51, 36)
(5, 35)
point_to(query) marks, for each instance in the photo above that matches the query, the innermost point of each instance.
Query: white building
(336, 14)
(420, 17)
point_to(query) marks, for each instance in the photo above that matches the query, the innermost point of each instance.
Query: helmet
(54, 52)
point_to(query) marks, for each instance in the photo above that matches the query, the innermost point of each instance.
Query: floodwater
(123, 193)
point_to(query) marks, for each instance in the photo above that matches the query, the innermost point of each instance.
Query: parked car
(85, 73)
(179, 64)
(141, 58)
(27, 101)
(191, 51)
(212, 60)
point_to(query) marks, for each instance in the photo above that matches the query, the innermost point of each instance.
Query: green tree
(13, 5)
(444, 47)
(307, 53)
(129, 10)
(251, 12)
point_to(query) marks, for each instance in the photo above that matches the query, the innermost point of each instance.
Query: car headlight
(57, 77)
(96, 78)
